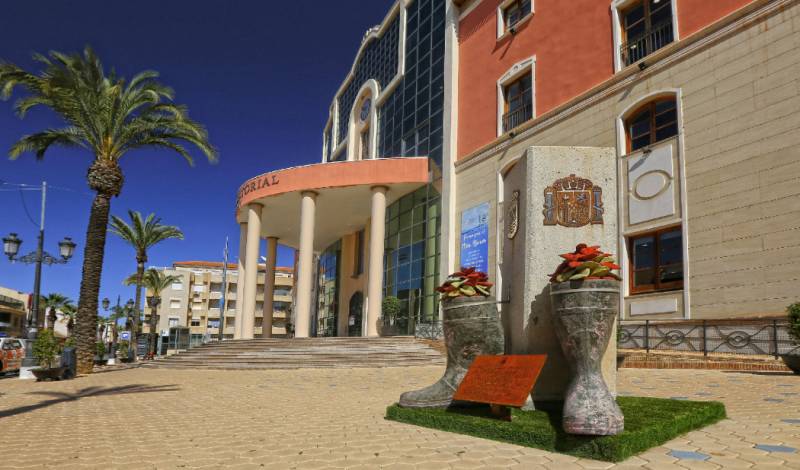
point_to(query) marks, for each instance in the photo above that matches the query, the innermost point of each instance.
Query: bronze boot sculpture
(471, 328)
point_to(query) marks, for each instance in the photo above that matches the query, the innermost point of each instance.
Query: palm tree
(53, 302)
(69, 313)
(108, 117)
(142, 234)
(154, 281)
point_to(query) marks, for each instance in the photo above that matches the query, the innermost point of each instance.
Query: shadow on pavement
(88, 392)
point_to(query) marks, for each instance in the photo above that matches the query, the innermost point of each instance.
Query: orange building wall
(694, 15)
(573, 44)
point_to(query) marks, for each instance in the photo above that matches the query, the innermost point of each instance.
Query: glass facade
(328, 290)
(379, 60)
(411, 258)
(411, 118)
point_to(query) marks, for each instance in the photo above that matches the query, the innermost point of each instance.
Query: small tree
(390, 308)
(46, 348)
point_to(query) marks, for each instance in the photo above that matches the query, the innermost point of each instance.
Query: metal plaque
(501, 380)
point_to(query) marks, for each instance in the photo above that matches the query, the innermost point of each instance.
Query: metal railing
(429, 330)
(515, 118)
(650, 41)
(751, 337)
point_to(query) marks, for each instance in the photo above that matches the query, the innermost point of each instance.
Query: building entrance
(355, 315)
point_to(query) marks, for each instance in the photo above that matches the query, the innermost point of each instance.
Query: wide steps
(280, 353)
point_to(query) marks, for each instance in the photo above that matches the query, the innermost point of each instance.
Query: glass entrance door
(355, 315)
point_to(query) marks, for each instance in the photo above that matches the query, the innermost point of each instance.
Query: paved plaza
(333, 418)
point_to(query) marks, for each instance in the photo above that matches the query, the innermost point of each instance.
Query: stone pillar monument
(554, 198)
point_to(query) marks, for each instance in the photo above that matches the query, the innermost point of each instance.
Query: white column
(269, 286)
(237, 324)
(305, 265)
(377, 232)
(251, 270)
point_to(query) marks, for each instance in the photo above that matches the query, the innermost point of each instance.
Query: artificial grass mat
(649, 422)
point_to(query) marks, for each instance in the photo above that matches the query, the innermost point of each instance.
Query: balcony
(517, 117)
(652, 40)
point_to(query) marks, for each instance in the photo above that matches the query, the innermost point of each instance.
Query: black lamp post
(66, 248)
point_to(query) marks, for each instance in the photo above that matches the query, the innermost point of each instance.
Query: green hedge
(649, 422)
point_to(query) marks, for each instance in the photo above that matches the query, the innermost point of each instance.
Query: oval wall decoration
(651, 184)
(513, 216)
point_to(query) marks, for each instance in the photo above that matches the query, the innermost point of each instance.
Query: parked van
(12, 352)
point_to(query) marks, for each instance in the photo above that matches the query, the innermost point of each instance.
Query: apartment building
(13, 312)
(195, 301)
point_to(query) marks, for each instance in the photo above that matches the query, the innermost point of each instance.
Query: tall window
(328, 290)
(358, 250)
(515, 11)
(656, 261)
(518, 102)
(646, 28)
(654, 122)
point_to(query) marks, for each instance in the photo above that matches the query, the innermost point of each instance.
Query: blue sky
(260, 76)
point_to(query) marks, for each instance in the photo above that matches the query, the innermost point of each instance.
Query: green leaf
(582, 274)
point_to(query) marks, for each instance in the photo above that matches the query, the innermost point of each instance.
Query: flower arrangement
(586, 262)
(466, 283)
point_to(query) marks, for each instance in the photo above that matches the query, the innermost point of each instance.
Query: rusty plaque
(501, 380)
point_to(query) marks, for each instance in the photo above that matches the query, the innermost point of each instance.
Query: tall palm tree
(53, 302)
(141, 234)
(108, 117)
(154, 281)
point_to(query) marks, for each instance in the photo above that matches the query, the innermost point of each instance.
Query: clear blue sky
(259, 74)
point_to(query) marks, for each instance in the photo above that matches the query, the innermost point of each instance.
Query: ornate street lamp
(106, 304)
(11, 245)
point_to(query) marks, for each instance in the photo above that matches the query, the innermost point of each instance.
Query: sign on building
(475, 237)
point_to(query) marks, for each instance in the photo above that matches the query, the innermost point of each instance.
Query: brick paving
(324, 418)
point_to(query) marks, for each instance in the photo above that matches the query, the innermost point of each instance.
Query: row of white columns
(249, 241)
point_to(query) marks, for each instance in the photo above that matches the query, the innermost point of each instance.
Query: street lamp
(106, 304)
(11, 244)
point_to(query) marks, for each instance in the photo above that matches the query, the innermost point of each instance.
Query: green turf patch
(649, 422)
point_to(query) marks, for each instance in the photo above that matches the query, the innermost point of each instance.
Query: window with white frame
(641, 28)
(174, 303)
(516, 96)
(511, 13)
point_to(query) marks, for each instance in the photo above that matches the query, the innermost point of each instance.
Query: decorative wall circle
(651, 184)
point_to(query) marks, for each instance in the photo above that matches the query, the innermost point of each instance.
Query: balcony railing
(652, 40)
(515, 118)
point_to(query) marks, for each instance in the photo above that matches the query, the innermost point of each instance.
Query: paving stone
(775, 448)
(688, 455)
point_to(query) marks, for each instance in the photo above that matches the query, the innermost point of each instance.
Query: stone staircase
(399, 351)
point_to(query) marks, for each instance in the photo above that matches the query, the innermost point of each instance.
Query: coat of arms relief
(573, 202)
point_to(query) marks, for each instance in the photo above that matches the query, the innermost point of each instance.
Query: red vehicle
(12, 352)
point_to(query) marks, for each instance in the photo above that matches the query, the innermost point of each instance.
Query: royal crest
(573, 202)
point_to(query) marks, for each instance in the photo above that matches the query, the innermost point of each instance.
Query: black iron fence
(645, 44)
(517, 117)
(756, 337)
(429, 330)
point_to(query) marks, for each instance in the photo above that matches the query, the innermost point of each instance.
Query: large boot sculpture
(471, 328)
(584, 316)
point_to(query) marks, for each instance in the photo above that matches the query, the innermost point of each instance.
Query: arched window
(653, 122)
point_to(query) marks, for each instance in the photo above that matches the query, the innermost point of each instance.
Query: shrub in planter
(792, 360)
(122, 350)
(100, 351)
(585, 299)
(45, 350)
(390, 309)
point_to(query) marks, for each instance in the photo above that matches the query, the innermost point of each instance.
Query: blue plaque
(475, 237)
